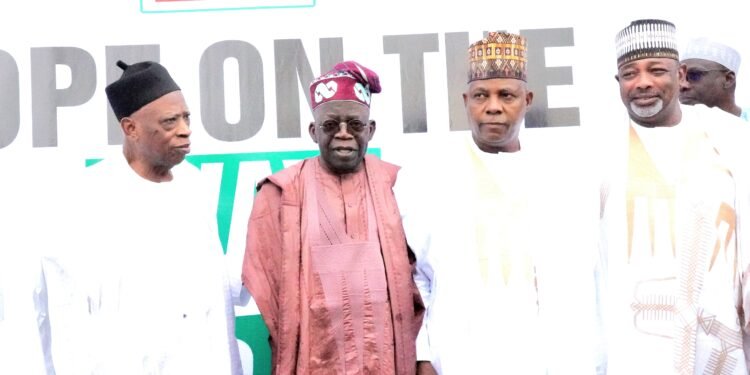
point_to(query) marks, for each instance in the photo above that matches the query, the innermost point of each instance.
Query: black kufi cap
(140, 84)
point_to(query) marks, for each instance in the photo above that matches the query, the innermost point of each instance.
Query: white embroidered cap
(647, 38)
(707, 49)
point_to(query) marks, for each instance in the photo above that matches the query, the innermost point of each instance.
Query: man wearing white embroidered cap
(711, 78)
(674, 260)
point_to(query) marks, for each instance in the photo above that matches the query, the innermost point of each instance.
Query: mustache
(644, 95)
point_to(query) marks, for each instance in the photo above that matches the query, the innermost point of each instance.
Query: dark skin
(157, 137)
(710, 83)
(649, 88)
(496, 108)
(425, 368)
(342, 129)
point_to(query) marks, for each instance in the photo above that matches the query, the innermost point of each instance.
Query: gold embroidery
(660, 303)
(644, 180)
(726, 215)
(500, 217)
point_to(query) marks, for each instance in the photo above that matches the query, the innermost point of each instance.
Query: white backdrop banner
(244, 67)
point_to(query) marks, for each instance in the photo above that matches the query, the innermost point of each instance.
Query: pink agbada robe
(327, 264)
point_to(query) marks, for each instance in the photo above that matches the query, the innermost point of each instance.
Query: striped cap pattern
(644, 39)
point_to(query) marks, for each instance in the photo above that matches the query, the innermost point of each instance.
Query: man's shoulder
(718, 123)
(381, 167)
(372, 159)
(287, 176)
(110, 170)
(185, 171)
(726, 132)
(710, 115)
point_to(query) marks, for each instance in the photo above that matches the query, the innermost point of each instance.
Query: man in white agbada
(673, 246)
(711, 77)
(20, 341)
(144, 289)
(504, 266)
(22, 293)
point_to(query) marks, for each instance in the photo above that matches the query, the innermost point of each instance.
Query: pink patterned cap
(347, 80)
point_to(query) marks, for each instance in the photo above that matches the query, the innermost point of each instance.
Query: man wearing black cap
(674, 258)
(153, 116)
(144, 289)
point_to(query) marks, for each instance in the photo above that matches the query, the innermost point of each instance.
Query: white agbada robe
(671, 297)
(143, 289)
(21, 296)
(504, 268)
(25, 204)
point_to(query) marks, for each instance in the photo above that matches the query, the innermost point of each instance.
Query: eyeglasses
(695, 75)
(333, 127)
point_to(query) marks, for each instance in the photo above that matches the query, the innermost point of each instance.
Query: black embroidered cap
(141, 83)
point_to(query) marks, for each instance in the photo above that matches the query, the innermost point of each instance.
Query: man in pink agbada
(326, 258)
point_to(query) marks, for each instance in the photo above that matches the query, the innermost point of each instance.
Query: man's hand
(425, 368)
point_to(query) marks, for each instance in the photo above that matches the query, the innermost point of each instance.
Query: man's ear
(682, 72)
(617, 78)
(529, 98)
(372, 125)
(730, 79)
(312, 129)
(128, 127)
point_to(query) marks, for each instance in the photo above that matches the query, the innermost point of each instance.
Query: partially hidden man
(711, 76)
(326, 258)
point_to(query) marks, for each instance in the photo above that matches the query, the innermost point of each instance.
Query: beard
(648, 111)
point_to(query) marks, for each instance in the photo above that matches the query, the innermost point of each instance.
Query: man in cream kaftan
(673, 244)
(504, 264)
(675, 266)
